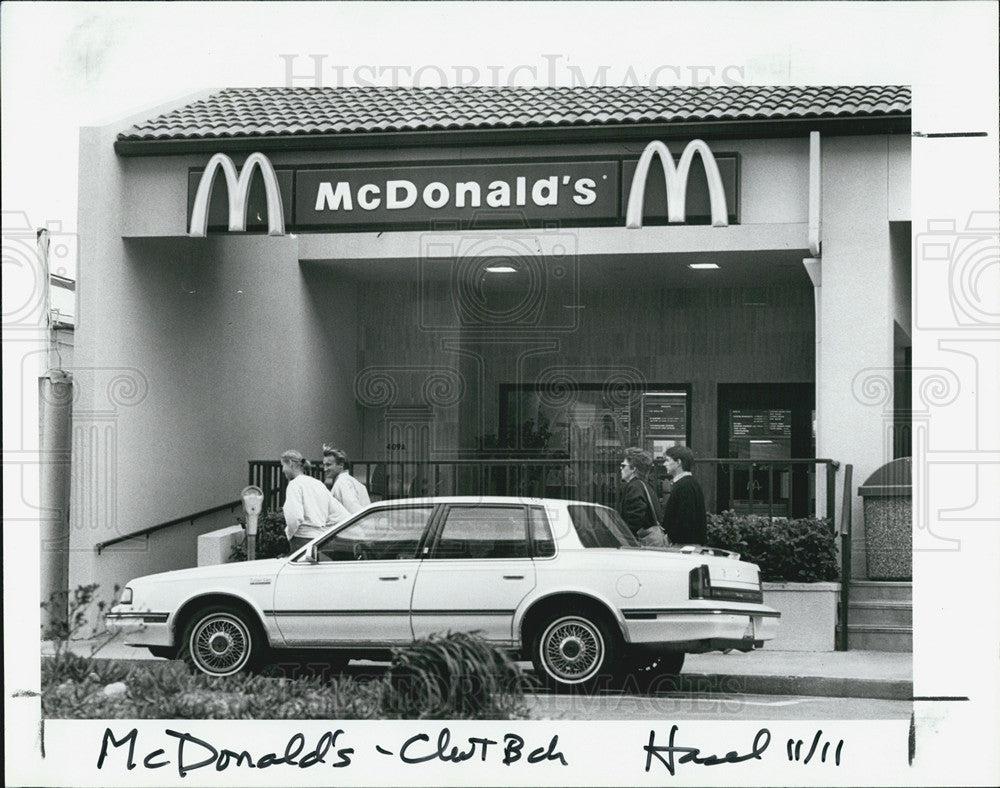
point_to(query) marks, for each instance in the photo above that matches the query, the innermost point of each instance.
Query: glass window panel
(385, 534)
(598, 526)
(483, 532)
(541, 534)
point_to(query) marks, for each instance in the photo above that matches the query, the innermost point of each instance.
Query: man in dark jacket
(637, 505)
(684, 515)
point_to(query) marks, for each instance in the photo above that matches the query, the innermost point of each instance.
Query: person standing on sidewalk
(684, 515)
(637, 503)
(310, 509)
(351, 493)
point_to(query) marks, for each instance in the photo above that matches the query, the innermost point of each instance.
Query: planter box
(808, 615)
(215, 547)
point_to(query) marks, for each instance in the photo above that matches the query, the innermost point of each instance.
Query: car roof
(509, 500)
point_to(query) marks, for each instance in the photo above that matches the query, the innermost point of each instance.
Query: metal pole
(55, 400)
(845, 559)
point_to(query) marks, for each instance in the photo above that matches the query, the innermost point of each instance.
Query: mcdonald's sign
(675, 177)
(238, 186)
(587, 191)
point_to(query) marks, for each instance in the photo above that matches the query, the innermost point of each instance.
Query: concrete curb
(818, 686)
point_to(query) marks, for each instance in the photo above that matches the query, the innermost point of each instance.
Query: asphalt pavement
(882, 675)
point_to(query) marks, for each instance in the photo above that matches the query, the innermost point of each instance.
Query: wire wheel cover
(220, 644)
(572, 649)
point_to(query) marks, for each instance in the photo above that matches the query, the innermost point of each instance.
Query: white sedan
(562, 583)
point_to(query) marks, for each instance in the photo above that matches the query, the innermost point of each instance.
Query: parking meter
(253, 500)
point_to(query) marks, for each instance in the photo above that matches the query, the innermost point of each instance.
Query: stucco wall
(854, 400)
(194, 355)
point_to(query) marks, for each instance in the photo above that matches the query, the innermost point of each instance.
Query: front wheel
(572, 650)
(221, 641)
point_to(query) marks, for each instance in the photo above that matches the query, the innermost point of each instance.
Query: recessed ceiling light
(500, 269)
(702, 266)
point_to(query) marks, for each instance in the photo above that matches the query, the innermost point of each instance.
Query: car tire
(221, 640)
(574, 650)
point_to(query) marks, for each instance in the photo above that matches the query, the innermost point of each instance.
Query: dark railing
(186, 519)
(776, 488)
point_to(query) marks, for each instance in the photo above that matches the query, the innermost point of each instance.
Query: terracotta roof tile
(262, 112)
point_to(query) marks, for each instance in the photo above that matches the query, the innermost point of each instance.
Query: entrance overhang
(670, 239)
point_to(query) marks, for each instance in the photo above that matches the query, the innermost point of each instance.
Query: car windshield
(598, 526)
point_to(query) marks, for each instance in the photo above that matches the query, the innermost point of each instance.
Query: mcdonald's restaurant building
(440, 277)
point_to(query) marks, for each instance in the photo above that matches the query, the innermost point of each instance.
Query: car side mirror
(312, 554)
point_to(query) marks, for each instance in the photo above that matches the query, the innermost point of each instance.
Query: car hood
(267, 567)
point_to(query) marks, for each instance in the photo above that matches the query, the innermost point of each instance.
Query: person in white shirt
(310, 509)
(345, 488)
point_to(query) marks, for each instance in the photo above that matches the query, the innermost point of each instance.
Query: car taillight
(699, 583)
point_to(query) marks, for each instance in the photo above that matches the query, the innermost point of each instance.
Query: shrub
(802, 551)
(454, 676)
(271, 541)
(170, 690)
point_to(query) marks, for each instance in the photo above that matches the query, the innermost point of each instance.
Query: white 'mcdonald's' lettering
(398, 195)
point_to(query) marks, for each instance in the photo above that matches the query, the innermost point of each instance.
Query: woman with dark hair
(638, 505)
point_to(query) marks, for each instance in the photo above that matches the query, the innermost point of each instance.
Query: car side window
(478, 532)
(382, 535)
(541, 533)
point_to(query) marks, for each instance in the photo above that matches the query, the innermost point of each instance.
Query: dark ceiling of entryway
(603, 272)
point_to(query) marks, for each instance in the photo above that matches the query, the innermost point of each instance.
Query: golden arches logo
(238, 186)
(676, 178)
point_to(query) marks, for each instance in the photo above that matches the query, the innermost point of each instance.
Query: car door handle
(390, 577)
(513, 577)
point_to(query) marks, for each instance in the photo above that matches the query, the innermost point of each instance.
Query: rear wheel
(221, 640)
(573, 650)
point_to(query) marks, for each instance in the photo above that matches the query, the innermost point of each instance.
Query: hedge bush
(271, 540)
(799, 551)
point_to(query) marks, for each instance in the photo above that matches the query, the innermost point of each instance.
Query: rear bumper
(702, 629)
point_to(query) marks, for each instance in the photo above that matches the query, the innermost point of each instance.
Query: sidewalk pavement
(884, 675)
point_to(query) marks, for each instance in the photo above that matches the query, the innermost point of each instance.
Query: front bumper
(139, 627)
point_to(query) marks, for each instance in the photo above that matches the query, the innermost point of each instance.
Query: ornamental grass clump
(454, 676)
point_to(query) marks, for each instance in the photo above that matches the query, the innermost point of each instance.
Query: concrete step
(882, 613)
(870, 637)
(880, 590)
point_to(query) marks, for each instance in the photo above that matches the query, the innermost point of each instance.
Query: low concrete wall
(808, 615)
(215, 547)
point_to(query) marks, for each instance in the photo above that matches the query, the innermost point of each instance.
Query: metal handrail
(190, 518)
(845, 558)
